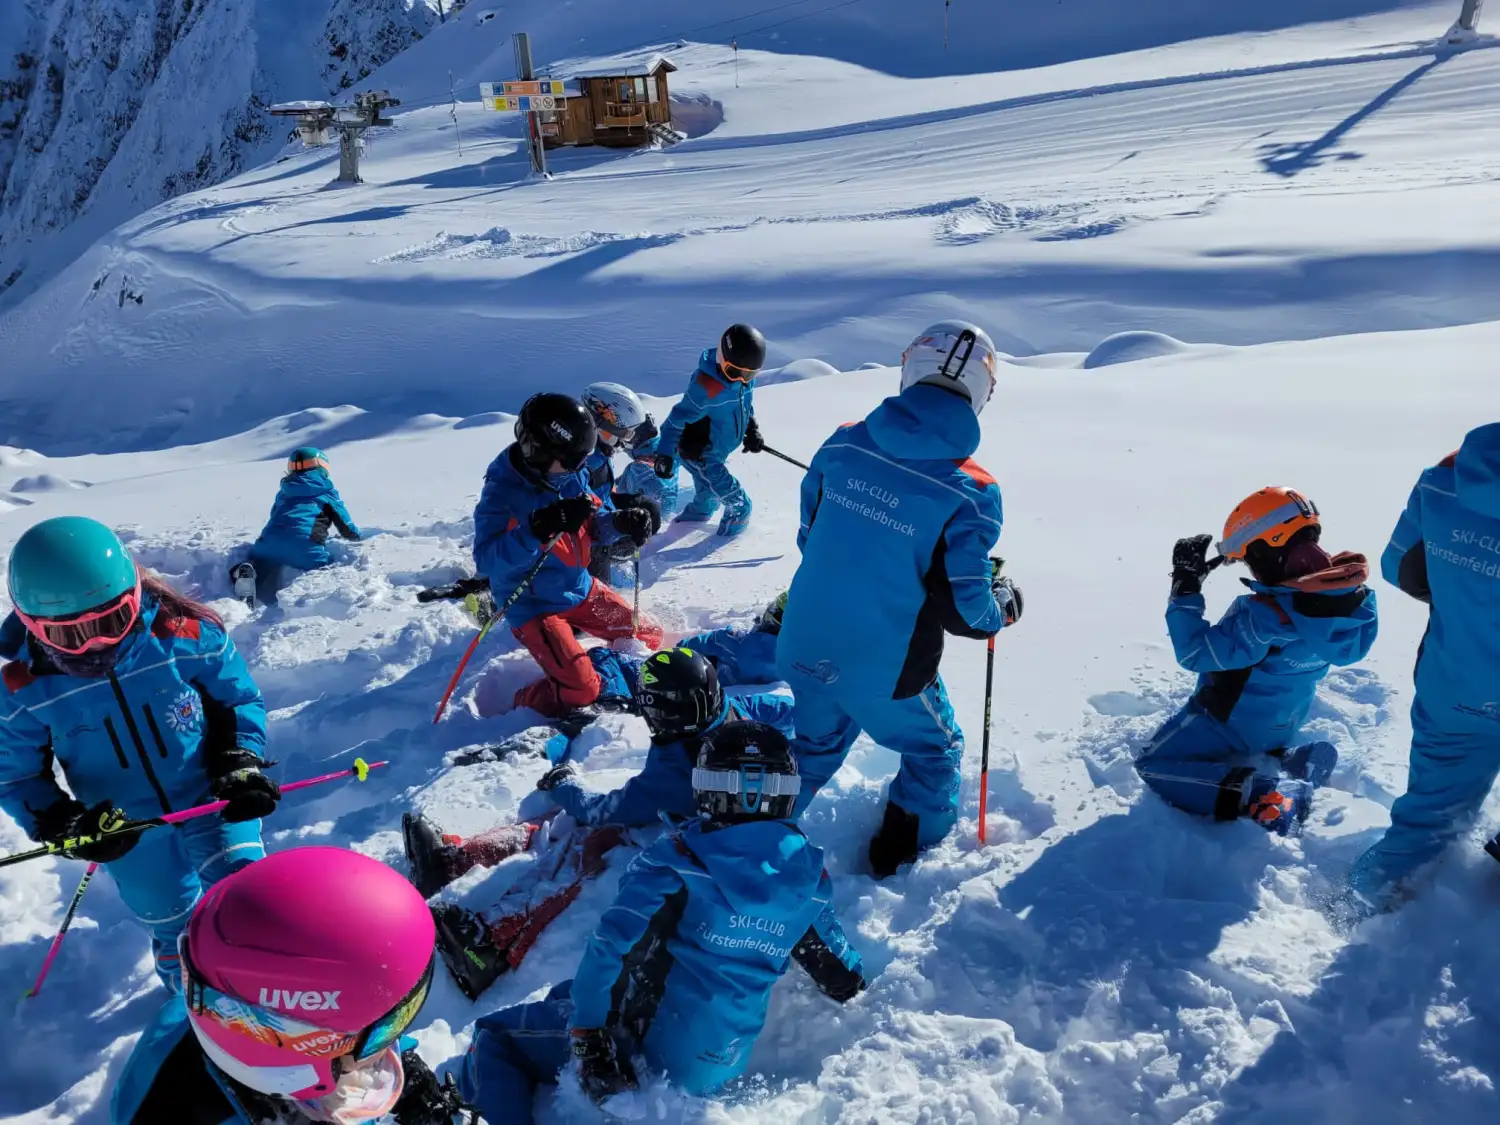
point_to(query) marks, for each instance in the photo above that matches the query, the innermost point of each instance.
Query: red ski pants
(571, 680)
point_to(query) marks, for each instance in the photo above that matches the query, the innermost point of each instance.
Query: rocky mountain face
(108, 107)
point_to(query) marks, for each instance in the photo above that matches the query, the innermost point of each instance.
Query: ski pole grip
(361, 769)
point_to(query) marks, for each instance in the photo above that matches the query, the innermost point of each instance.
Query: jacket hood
(314, 482)
(1476, 471)
(1344, 635)
(925, 424)
(708, 363)
(759, 863)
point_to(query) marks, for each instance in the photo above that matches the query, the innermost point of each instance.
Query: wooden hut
(625, 105)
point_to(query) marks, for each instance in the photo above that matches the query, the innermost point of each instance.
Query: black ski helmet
(742, 351)
(554, 427)
(745, 770)
(678, 694)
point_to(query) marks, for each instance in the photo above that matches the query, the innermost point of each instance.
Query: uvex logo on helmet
(290, 1000)
(560, 430)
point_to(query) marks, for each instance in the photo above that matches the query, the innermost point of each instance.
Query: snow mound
(1128, 347)
(47, 482)
(798, 370)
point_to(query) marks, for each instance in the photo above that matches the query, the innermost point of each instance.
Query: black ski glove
(455, 591)
(754, 443)
(666, 467)
(1008, 598)
(623, 500)
(69, 819)
(1190, 565)
(562, 516)
(556, 776)
(237, 778)
(601, 1071)
(424, 1100)
(634, 524)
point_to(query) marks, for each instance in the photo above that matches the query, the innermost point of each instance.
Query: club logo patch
(185, 715)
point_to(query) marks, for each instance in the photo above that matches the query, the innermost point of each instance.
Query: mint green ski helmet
(68, 565)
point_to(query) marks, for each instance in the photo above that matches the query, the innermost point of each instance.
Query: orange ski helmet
(1270, 516)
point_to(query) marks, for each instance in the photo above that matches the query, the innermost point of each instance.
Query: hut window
(651, 90)
(626, 90)
(640, 89)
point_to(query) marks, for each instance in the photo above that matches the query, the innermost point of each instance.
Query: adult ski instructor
(897, 527)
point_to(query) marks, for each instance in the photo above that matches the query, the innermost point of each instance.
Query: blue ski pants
(1188, 760)
(1454, 762)
(922, 729)
(514, 1051)
(163, 876)
(713, 478)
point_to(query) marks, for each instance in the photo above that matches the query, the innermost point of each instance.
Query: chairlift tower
(1468, 23)
(316, 118)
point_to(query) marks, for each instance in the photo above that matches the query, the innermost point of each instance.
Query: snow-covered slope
(1218, 263)
(108, 107)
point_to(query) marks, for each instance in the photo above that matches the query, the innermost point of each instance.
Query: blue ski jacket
(742, 656)
(640, 476)
(897, 527)
(138, 736)
(1446, 552)
(709, 421)
(1260, 666)
(307, 507)
(599, 467)
(703, 925)
(505, 549)
(665, 783)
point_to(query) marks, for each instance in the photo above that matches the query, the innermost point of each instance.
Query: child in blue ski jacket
(536, 493)
(139, 697)
(620, 424)
(306, 510)
(640, 477)
(1445, 551)
(712, 420)
(1232, 751)
(897, 525)
(680, 968)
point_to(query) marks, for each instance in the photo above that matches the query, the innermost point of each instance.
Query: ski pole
(360, 770)
(463, 662)
(989, 697)
(635, 613)
(62, 931)
(784, 457)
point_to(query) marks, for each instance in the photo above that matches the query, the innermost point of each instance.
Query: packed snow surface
(1288, 228)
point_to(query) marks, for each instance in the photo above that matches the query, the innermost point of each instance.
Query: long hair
(175, 604)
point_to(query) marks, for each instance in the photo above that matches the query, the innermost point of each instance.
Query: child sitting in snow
(680, 969)
(295, 538)
(1232, 751)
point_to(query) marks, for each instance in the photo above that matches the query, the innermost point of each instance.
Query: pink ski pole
(360, 770)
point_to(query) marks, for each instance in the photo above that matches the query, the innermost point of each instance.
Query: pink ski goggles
(275, 1053)
(104, 627)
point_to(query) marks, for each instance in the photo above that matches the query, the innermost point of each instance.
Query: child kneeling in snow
(536, 499)
(1232, 750)
(295, 537)
(678, 694)
(680, 969)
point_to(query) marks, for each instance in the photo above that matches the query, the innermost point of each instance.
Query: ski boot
(424, 1100)
(700, 508)
(1313, 763)
(432, 856)
(1278, 804)
(243, 577)
(736, 516)
(896, 842)
(473, 959)
(480, 606)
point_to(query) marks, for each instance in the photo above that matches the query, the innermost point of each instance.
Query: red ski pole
(463, 663)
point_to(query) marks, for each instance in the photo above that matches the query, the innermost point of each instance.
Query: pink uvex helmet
(304, 964)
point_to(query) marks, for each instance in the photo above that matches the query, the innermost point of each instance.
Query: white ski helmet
(955, 355)
(616, 410)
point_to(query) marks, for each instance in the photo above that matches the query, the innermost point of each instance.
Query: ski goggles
(750, 783)
(275, 1053)
(735, 371)
(99, 628)
(305, 466)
